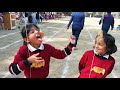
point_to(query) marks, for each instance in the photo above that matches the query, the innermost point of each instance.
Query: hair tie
(100, 34)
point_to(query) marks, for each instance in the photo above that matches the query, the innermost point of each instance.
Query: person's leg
(73, 31)
(105, 31)
(20, 22)
(30, 19)
(77, 34)
(37, 21)
(40, 19)
(119, 27)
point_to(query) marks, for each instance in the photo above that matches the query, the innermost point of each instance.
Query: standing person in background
(21, 17)
(26, 14)
(38, 18)
(78, 23)
(34, 20)
(41, 17)
(30, 20)
(107, 21)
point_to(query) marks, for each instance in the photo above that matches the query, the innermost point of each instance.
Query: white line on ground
(90, 35)
(55, 34)
(10, 44)
(8, 34)
(66, 66)
(65, 70)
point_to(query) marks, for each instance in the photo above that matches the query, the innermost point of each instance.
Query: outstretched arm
(61, 54)
(70, 22)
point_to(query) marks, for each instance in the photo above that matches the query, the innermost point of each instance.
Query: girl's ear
(26, 40)
(93, 46)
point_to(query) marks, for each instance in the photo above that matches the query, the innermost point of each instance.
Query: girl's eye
(101, 44)
(37, 30)
(31, 32)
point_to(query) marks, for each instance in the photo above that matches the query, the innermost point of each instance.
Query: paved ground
(56, 35)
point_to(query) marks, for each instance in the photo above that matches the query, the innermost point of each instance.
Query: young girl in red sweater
(98, 63)
(33, 57)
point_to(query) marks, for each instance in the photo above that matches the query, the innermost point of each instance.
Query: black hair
(109, 12)
(26, 29)
(110, 43)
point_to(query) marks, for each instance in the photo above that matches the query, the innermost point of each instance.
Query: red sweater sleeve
(83, 61)
(61, 54)
(19, 59)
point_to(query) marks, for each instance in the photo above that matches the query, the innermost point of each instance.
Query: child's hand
(72, 39)
(37, 62)
(34, 58)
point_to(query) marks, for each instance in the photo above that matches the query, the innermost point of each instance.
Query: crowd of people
(37, 17)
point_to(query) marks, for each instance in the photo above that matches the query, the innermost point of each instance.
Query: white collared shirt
(105, 56)
(31, 48)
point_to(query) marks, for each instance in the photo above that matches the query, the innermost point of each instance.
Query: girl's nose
(36, 31)
(96, 45)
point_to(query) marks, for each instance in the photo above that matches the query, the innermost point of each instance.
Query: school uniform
(45, 51)
(92, 65)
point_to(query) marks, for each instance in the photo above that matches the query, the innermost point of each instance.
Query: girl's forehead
(100, 39)
(34, 27)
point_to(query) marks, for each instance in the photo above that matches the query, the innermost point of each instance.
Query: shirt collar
(105, 56)
(31, 48)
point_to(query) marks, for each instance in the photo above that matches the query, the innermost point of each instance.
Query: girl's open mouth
(38, 37)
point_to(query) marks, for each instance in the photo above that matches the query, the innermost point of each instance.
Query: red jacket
(21, 63)
(100, 68)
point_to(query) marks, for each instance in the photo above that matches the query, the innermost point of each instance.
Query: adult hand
(67, 28)
(111, 28)
(99, 22)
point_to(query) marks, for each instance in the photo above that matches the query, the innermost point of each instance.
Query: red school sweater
(99, 69)
(21, 63)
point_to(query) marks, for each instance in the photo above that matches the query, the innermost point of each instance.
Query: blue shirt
(78, 19)
(108, 20)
